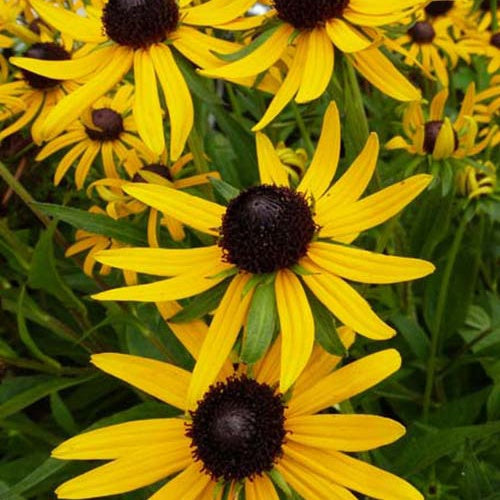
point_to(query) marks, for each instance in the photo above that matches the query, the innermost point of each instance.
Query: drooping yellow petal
(125, 474)
(344, 383)
(445, 141)
(160, 261)
(260, 488)
(343, 432)
(216, 12)
(345, 36)
(177, 97)
(297, 327)
(374, 209)
(271, 170)
(122, 440)
(164, 381)
(318, 67)
(323, 166)
(366, 267)
(188, 485)
(225, 326)
(204, 215)
(345, 303)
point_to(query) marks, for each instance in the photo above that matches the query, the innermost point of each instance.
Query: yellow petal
(121, 440)
(367, 267)
(204, 215)
(224, 329)
(445, 141)
(164, 381)
(188, 485)
(345, 303)
(323, 166)
(344, 383)
(343, 432)
(297, 327)
(260, 488)
(271, 170)
(216, 12)
(345, 36)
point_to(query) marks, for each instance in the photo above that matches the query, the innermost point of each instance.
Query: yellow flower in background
(241, 433)
(138, 35)
(295, 237)
(429, 43)
(315, 28)
(433, 133)
(93, 243)
(39, 94)
(106, 129)
(457, 11)
(477, 182)
(487, 111)
(120, 204)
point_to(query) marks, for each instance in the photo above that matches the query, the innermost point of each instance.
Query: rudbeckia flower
(477, 182)
(293, 237)
(241, 433)
(435, 134)
(315, 28)
(107, 128)
(136, 34)
(38, 93)
(487, 111)
(120, 204)
(458, 11)
(429, 43)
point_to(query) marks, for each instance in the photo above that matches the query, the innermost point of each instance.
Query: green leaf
(261, 323)
(203, 304)
(62, 415)
(26, 337)
(325, 329)
(95, 223)
(280, 482)
(227, 191)
(43, 273)
(413, 334)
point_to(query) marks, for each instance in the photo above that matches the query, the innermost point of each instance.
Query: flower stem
(494, 15)
(303, 130)
(438, 318)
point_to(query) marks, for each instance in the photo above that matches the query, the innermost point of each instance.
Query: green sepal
(227, 191)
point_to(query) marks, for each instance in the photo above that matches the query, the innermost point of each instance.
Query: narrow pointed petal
(367, 267)
(188, 485)
(323, 166)
(204, 215)
(271, 170)
(164, 381)
(346, 37)
(260, 488)
(224, 329)
(121, 440)
(297, 327)
(344, 383)
(216, 12)
(343, 432)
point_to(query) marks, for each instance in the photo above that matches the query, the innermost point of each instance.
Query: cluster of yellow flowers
(106, 82)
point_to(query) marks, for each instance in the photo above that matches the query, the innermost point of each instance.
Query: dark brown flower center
(266, 228)
(155, 168)
(46, 52)
(307, 14)
(431, 132)
(439, 7)
(422, 32)
(495, 40)
(140, 23)
(237, 430)
(108, 125)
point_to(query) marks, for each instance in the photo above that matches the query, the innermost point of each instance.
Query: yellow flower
(475, 182)
(138, 35)
(106, 129)
(120, 204)
(434, 134)
(315, 28)
(457, 11)
(429, 44)
(38, 94)
(241, 433)
(291, 236)
(487, 111)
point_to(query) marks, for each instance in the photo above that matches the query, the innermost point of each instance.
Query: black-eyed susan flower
(39, 94)
(240, 434)
(487, 111)
(477, 182)
(458, 11)
(433, 133)
(120, 204)
(314, 29)
(429, 42)
(137, 34)
(293, 237)
(107, 129)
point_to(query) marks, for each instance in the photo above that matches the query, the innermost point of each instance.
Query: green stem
(196, 148)
(494, 16)
(303, 130)
(438, 318)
